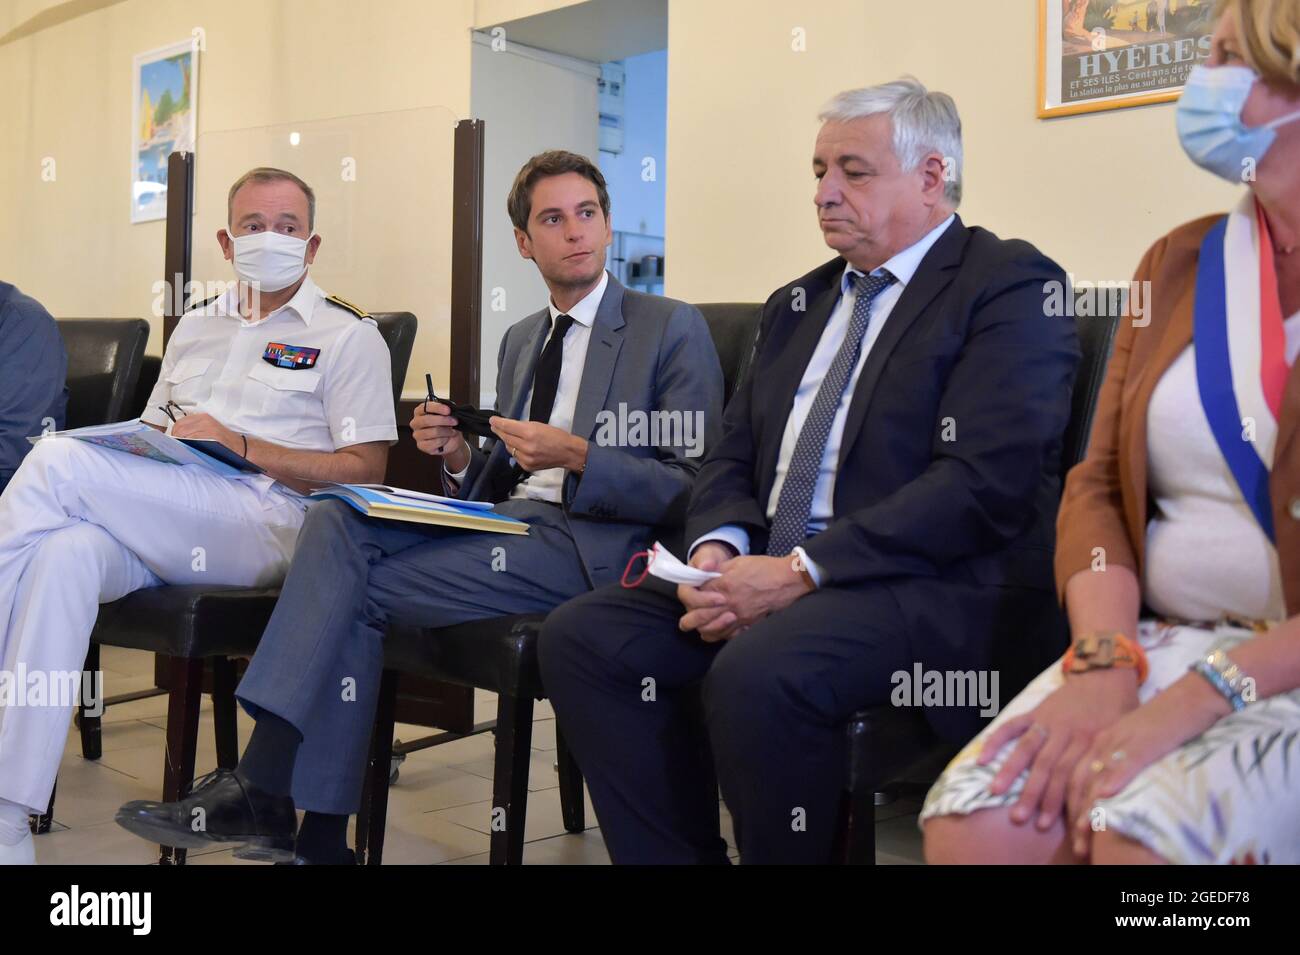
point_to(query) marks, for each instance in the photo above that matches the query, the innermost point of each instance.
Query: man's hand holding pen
(435, 433)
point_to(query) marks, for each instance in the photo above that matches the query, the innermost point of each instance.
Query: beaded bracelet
(1224, 675)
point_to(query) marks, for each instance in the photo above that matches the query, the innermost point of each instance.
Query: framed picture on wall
(164, 119)
(1107, 54)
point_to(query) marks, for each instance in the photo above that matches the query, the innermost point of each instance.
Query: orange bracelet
(1103, 650)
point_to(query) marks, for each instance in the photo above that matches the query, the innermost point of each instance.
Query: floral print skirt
(1231, 795)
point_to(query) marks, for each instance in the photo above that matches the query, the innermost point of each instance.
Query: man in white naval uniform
(297, 382)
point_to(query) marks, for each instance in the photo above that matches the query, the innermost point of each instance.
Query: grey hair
(924, 122)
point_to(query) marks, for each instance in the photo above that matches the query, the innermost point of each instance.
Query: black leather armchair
(892, 748)
(104, 360)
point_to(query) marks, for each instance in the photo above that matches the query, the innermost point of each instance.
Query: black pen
(428, 380)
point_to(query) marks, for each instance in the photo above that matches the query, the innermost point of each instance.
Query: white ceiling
(597, 30)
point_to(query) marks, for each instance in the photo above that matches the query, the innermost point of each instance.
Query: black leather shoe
(222, 808)
(349, 857)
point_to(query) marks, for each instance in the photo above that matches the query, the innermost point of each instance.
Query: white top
(1206, 555)
(902, 266)
(214, 364)
(547, 485)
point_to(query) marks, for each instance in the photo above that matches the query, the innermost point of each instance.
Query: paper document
(138, 438)
(665, 566)
(422, 496)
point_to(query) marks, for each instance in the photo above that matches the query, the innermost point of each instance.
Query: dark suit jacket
(646, 353)
(967, 353)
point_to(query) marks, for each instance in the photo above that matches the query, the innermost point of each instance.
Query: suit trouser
(81, 526)
(320, 661)
(626, 684)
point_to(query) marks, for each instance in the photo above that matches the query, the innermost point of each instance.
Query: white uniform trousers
(81, 526)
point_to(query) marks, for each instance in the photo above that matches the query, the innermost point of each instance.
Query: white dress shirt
(547, 485)
(902, 266)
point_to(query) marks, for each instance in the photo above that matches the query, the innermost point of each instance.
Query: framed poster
(1107, 54)
(164, 119)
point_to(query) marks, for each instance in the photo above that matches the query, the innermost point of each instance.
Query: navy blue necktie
(794, 505)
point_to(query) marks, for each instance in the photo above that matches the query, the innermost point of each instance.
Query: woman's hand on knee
(1052, 738)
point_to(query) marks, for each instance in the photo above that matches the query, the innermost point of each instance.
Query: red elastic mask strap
(628, 569)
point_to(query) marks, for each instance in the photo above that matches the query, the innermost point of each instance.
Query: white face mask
(270, 261)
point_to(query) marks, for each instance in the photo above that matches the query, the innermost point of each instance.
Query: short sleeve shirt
(311, 375)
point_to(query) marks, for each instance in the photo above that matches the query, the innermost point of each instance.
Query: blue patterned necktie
(794, 506)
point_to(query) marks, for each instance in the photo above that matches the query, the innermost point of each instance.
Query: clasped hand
(749, 589)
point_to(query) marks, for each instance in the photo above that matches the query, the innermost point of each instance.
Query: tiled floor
(438, 812)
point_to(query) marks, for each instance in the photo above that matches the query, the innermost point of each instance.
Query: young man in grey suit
(571, 378)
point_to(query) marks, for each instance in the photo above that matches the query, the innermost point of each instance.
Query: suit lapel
(521, 380)
(527, 362)
(602, 354)
(786, 373)
(936, 270)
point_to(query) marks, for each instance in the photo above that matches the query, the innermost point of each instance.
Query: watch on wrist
(1105, 650)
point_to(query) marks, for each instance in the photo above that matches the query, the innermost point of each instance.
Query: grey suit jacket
(650, 404)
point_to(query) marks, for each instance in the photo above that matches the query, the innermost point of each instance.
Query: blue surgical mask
(1210, 126)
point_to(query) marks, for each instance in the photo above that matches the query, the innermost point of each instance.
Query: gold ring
(1096, 766)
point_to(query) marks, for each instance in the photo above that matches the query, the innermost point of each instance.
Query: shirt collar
(584, 312)
(304, 300)
(905, 263)
(303, 303)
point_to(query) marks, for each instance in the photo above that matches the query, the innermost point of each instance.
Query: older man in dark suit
(882, 497)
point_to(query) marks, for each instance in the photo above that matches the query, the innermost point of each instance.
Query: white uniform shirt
(214, 364)
(547, 485)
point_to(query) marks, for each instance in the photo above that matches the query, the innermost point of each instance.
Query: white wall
(65, 93)
(1092, 191)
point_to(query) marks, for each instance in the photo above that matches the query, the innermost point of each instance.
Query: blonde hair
(1270, 35)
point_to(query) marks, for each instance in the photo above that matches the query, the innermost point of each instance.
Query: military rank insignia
(290, 356)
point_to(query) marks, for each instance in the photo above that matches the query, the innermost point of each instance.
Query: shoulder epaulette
(192, 305)
(356, 310)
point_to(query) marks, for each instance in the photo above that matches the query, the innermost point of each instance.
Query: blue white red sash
(1241, 366)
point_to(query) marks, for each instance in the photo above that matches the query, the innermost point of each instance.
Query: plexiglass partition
(384, 191)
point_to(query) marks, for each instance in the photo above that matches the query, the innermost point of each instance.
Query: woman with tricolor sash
(1170, 731)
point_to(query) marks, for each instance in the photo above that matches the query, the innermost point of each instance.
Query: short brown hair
(554, 162)
(271, 174)
(1270, 36)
